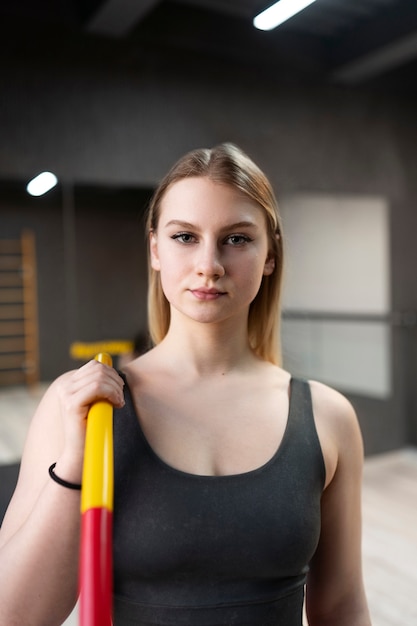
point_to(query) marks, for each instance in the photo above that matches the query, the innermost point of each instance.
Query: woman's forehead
(201, 196)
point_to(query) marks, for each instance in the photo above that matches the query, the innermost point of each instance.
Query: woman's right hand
(77, 390)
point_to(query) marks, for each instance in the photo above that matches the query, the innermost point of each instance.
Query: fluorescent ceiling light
(41, 183)
(279, 12)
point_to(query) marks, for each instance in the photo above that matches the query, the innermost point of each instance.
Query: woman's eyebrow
(234, 226)
(180, 223)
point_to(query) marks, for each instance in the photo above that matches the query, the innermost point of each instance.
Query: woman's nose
(209, 262)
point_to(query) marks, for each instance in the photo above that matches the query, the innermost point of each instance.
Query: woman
(235, 485)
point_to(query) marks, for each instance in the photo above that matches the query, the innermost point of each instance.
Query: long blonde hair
(226, 164)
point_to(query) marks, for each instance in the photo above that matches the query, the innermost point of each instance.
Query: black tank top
(195, 550)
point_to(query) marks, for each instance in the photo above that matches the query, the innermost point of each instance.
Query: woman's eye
(237, 240)
(184, 237)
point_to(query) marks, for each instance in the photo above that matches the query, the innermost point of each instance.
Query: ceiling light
(279, 13)
(41, 183)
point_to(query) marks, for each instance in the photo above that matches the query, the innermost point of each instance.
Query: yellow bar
(97, 490)
(79, 350)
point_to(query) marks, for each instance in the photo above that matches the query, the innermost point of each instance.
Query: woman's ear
(269, 265)
(153, 251)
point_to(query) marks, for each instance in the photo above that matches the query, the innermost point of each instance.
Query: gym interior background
(107, 94)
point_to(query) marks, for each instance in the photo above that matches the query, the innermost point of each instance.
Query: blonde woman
(237, 486)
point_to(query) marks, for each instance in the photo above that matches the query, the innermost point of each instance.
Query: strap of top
(301, 421)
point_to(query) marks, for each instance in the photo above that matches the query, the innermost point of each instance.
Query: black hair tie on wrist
(61, 481)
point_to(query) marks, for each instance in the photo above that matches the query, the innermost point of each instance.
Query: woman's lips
(207, 294)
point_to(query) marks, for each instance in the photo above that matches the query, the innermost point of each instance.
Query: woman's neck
(207, 349)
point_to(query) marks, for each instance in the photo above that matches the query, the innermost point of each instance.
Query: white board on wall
(337, 250)
(338, 262)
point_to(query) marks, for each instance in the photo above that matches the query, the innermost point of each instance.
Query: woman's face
(211, 250)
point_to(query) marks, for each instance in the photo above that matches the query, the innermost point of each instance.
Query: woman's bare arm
(335, 589)
(39, 538)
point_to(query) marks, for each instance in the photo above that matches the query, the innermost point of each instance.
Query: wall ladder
(19, 341)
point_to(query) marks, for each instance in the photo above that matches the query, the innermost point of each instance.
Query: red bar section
(96, 568)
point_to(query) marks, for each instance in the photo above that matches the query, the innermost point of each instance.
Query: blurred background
(107, 94)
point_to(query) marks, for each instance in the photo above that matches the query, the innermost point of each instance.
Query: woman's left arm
(335, 590)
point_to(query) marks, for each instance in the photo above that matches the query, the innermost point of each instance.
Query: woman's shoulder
(330, 405)
(337, 427)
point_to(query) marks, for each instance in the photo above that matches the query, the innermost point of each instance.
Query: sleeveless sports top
(193, 550)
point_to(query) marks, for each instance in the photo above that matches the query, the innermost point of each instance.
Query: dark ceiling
(364, 43)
